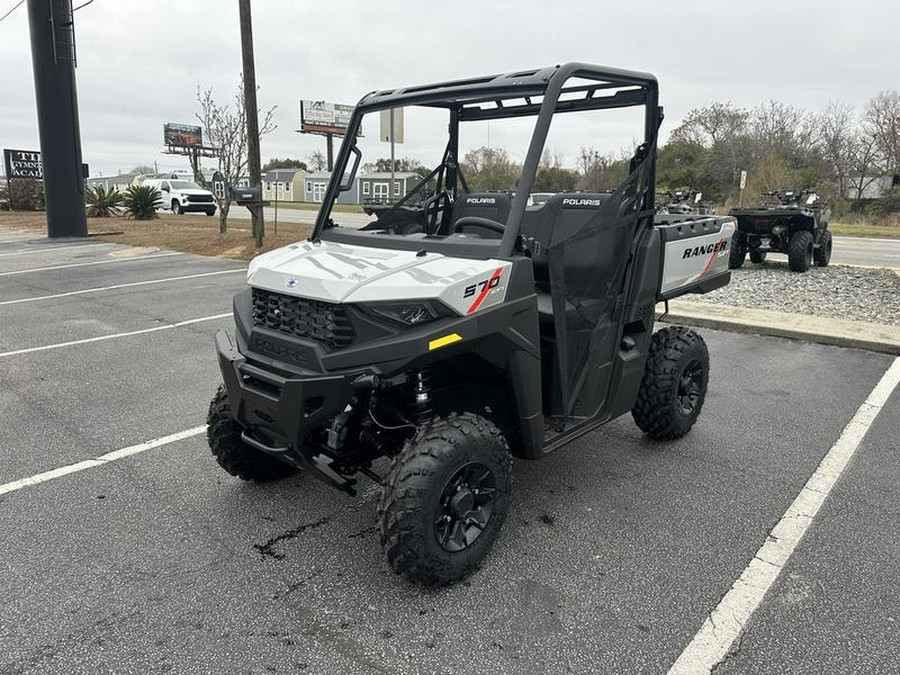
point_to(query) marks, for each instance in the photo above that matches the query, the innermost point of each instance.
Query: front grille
(200, 199)
(323, 322)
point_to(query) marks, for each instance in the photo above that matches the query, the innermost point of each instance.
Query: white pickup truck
(182, 196)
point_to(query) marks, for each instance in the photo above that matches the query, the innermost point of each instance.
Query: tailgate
(695, 253)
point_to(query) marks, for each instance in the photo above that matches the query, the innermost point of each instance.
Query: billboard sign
(182, 135)
(23, 164)
(324, 117)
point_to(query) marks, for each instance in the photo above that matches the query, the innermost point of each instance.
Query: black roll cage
(465, 100)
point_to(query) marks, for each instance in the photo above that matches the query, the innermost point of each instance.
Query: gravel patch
(838, 291)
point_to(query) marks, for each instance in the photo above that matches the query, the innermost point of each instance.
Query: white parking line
(101, 338)
(729, 619)
(99, 461)
(87, 264)
(117, 286)
(48, 249)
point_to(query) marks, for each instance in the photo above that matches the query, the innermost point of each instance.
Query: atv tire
(738, 251)
(445, 498)
(822, 255)
(800, 251)
(223, 434)
(673, 389)
(757, 257)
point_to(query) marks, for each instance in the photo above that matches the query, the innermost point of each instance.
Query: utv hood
(328, 271)
(333, 272)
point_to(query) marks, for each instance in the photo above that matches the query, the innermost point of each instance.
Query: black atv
(791, 222)
(685, 202)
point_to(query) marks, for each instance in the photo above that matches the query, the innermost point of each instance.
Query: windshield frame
(462, 99)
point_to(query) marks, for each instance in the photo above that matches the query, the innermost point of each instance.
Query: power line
(83, 5)
(17, 5)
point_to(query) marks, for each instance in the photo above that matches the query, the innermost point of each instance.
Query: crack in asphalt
(267, 550)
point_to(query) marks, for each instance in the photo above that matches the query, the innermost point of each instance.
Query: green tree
(140, 202)
(286, 163)
(489, 169)
(102, 203)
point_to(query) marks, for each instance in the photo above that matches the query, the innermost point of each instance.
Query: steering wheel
(486, 223)
(430, 208)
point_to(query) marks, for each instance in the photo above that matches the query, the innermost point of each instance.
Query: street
(867, 251)
(151, 559)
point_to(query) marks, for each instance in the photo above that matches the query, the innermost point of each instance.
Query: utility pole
(53, 57)
(252, 114)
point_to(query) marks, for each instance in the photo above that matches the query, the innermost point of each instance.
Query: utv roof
(523, 84)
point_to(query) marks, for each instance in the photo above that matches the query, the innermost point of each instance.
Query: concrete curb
(842, 332)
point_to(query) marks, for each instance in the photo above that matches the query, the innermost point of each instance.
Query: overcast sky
(139, 63)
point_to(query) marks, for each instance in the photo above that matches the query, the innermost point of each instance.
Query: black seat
(491, 205)
(560, 217)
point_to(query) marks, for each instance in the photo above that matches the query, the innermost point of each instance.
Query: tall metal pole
(252, 114)
(329, 152)
(393, 161)
(53, 58)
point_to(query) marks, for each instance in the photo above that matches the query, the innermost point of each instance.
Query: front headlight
(410, 313)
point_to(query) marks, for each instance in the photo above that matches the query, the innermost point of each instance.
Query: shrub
(140, 201)
(102, 203)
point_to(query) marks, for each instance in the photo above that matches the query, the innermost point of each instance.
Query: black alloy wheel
(465, 507)
(690, 387)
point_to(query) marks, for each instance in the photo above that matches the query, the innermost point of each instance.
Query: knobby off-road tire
(674, 386)
(800, 251)
(445, 498)
(223, 434)
(758, 257)
(738, 251)
(822, 254)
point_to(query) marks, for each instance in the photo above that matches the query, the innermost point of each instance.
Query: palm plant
(141, 201)
(102, 203)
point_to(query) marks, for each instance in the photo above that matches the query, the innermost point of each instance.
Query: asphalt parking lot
(615, 553)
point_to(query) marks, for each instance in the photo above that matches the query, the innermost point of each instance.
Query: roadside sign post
(392, 131)
(743, 185)
(276, 203)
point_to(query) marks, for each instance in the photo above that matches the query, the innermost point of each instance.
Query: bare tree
(226, 128)
(882, 120)
(838, 141)
(864, 158)
(600, 171)
(317, 161)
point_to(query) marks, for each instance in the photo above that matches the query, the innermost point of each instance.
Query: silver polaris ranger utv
(459, 328)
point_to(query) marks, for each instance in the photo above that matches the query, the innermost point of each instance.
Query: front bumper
(201, 207)
(279, 411)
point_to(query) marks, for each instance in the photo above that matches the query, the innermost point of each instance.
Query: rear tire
(223, 434)
(738, 252)
(445, 499)
(674, 386)
(800, 251)
(758, 257)
(822, 255)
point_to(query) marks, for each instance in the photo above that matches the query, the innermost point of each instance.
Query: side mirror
(165, 188)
